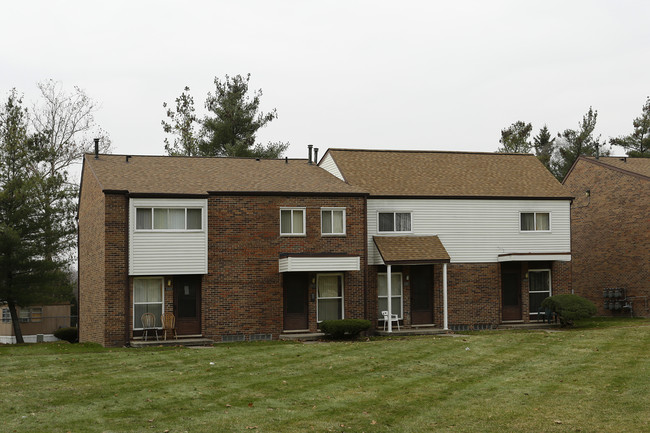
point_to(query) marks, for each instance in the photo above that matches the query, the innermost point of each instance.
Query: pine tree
(544, 146)
(637, 144)
(36, 216)
(516, 138)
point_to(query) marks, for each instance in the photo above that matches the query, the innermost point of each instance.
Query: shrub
(338, 329)
(70, 335)
(569, 308)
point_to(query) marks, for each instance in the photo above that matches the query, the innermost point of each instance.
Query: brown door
(511, 293)
(421, 294)
(296, 305)
(187, 305)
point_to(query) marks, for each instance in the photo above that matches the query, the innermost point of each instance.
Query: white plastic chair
(393, 318)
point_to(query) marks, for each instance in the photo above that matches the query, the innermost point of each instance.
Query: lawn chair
(169, 324)
(148, 324)
(393, 318)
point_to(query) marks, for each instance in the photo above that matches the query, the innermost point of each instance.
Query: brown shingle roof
(411, 249)
(447, 174)
(633, 165)
(190, 175)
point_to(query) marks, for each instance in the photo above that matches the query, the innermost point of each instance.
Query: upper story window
(292, 221)
(394, 221)
(154, 218)
(332, 221)
(535, 221)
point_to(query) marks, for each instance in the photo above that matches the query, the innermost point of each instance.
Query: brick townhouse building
(246, 249)
(610, 222)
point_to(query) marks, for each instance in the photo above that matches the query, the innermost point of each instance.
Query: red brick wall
(91, 260)
(117, 291)
(610, 233)
(473, 291)
(242, 294)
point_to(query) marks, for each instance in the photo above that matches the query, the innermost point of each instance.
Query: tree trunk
(16, 322)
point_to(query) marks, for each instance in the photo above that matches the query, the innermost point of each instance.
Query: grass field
(593, 378)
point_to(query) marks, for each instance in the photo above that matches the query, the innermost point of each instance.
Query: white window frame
(153, 208)
(6, 315)
(162, 298)
(394, 212)
(304, 220)
(331, 211)
(401, 296)
(342, 297)
(535, 222)
(550, 287)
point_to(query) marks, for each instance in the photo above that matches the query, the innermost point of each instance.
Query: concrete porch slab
(173, 342)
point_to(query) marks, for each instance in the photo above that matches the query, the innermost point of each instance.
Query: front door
(187, 305)
(296, 305)
(421, 294)
(511, 292)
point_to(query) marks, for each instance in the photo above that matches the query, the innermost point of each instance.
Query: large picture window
(147, 298)
(394, 222)
(147, 218)
(292, 222)
(539, 288)
(329, 299)
(535, 221)
(332, 221)
(395, 291)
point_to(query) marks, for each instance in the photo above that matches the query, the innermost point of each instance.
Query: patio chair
(148, 324)
(169, 324)
(393, 318)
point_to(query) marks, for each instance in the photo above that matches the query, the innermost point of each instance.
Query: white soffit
(559, 257)
(319, 264)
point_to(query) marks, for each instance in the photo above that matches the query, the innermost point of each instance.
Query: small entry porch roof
(411, 250)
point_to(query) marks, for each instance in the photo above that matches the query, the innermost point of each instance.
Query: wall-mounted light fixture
(169, 282)
(588, 193)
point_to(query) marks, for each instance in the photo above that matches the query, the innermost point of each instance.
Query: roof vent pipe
(96, 148)
(309, 148)
(286, 160)
(316, 155)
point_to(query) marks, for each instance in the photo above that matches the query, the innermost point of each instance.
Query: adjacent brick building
(610, 221)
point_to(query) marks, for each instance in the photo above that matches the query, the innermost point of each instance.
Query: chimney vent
(309, 148)
(96, 148)
(316, 155)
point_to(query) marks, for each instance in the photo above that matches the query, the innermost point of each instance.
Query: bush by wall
(70, 335)
(569, 307)
(346, 328)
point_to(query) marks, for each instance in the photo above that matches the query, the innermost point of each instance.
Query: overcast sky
(373, 74)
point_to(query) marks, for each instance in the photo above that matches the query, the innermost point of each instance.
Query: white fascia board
(560, 257)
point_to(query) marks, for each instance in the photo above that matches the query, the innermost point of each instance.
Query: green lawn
(593, 378)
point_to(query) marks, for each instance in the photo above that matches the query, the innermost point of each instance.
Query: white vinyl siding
(328, 164)
(166, 252)
(476, 231)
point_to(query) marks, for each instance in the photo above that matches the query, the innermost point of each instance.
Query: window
(329, 299)
(147, 218)
(292, 222)
(332, 221)
(6, 315)
(27, 315)
(147, 298)
(535, 221)
(539, 288)
(394, 221)
(395, 291)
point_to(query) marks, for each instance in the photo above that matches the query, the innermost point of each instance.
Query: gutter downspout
(390, 309)
(444, 297)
